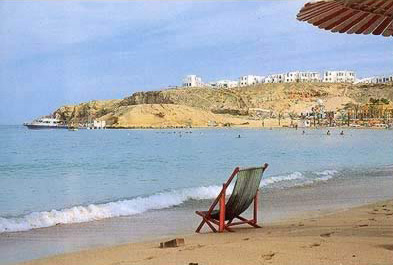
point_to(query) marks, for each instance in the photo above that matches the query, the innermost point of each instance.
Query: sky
(54, 53)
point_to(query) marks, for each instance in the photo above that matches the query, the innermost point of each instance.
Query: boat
(46, 123)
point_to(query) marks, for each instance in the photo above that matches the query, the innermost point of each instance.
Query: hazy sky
(61, 52)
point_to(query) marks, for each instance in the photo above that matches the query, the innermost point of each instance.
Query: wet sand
(362, 235)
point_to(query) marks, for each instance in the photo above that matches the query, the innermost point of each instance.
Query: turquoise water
(58, 176)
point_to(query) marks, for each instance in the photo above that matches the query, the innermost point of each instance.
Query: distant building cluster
(375, 80)
(290, 77)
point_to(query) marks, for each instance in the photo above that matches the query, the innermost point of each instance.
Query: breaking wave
(326, 175)
(92, 212)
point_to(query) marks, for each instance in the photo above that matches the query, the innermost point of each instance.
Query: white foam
(271, 180)
(325, 175)
(329, 172)
(92, 212)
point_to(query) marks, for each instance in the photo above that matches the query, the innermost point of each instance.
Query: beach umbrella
(350, 16)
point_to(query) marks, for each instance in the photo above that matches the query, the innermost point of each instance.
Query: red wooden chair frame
(206, 215)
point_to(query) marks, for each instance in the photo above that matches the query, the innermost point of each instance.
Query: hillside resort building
(302, 77)
(375, 80)
(224, 84)
(290, 77)
(339, 77)
(192, 81)
(249, 80)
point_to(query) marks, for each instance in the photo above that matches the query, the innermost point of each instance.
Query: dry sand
(170, 116)
(362, 235)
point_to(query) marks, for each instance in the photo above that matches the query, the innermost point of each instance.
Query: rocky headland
(255, 106)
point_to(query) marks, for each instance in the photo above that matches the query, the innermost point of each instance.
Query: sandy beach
(125, 124)
(361, 235)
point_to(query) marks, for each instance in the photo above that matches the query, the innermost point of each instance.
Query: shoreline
(359, 235)
(220, 128)
(244, 127)
(231, 127)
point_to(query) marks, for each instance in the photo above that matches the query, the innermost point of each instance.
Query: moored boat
(46, 123)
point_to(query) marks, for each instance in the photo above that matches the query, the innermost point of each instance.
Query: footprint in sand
(326, 234)
(150, 258)
(387, 247)
(315, 245)
(192, 247)
(268, 256)
(119, 263)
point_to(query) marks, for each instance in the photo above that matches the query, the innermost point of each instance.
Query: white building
(192, 81)
(310, 77)
(367, 80)
(292, 77)
(276, 78)
(249, 80)
(339, 77)
(302, 77)
(225, 83)
(375, 80)
(383, 79)
(99, 124)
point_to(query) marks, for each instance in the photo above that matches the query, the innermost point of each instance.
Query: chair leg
(211, 226)
(200, 226)
(250, 222)
(228, 229)
(222, 209)
(205, 221)
(256, 207)
(255, 225)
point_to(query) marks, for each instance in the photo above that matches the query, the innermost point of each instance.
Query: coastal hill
(201, 107)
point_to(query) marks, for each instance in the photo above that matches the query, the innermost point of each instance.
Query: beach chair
(244, 193)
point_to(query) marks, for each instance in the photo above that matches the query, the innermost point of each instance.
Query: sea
(63, 191)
